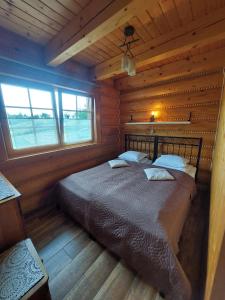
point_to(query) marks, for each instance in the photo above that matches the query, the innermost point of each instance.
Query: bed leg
(162, 294)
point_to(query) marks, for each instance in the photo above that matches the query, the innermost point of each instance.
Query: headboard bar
(155, 145)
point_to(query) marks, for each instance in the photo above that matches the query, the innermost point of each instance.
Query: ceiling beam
(94, 22)
(196, 34)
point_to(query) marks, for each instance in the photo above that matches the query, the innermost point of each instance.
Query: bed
(139, 220)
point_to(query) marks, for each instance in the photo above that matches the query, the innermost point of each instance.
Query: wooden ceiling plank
(20, 29)
(78, 22)
(198, 8)
(95, 56)
(170, 11)
(100, 51)
(158, 18)
(28, 26)
(82, 3)
(111, 42)
(71, 5)
(196, 34)
(146, 19)
(36, 14)
(88, 55)
(14, 11)
(108, 47)
(96, 52)
(211, 5)
(184, 11)
(152, 29)
(146, 27)
(140, 29)
(95, 21)
(117, 36)
(59, 8)
(48, 12)
(84, 59)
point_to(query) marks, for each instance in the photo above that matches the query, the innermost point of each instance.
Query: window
(31, 116)
(77, 118)
(40, 117)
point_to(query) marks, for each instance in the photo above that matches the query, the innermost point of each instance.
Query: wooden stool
(22, 274)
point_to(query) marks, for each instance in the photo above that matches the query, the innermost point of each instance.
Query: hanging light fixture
(128, 62)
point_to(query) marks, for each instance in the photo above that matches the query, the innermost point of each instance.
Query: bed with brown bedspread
(139, 220)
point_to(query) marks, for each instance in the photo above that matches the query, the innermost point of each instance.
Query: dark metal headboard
(154, 146)
(142, 143)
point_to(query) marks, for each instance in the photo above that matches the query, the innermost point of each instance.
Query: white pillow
(176, 157)
(117, 163)
(170, 160)
(132, 156)
(158, 174)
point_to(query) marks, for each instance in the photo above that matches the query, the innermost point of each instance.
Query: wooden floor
(80, 268)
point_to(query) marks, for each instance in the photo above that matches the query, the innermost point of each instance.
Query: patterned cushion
(19, 272)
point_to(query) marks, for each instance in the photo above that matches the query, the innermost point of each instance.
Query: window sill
(52, 152)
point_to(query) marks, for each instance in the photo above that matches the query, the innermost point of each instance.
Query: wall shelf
(160, 123)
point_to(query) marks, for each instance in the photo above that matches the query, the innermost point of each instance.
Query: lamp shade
(125, 63)
(131, 67)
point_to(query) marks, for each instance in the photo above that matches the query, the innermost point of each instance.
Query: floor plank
(116, 285)
(81, 269)
(93, 278)
(57, 263)
(77, 244)
(64, 236)
(140, 290)
(68, 277)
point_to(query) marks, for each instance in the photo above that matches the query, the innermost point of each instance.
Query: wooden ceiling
(166, 16)
(41, 21)
(38, 20)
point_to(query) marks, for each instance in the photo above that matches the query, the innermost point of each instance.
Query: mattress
(139, 220)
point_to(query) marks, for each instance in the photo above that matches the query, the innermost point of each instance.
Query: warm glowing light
(154, 115)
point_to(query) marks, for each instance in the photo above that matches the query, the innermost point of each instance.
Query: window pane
(69, 114)
(82, 103)
(45, 127)
(42, 114)
(22, 138)
(20, 113)
(31, 127)
(46, 135)
(68, 101)
(77, 130)
(77, 118)
(19, 118)
(15, 95)
(42, 99)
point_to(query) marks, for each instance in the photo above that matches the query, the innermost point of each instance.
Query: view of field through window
(76, 118)
(34, 119)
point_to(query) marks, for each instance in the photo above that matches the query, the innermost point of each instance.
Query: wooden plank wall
(17, 48)
(34, 176)
(173, 100)
(217, 203)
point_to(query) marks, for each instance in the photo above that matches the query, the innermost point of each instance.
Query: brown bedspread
(139, 220)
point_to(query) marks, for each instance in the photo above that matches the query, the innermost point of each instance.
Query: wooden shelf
(159, 123)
